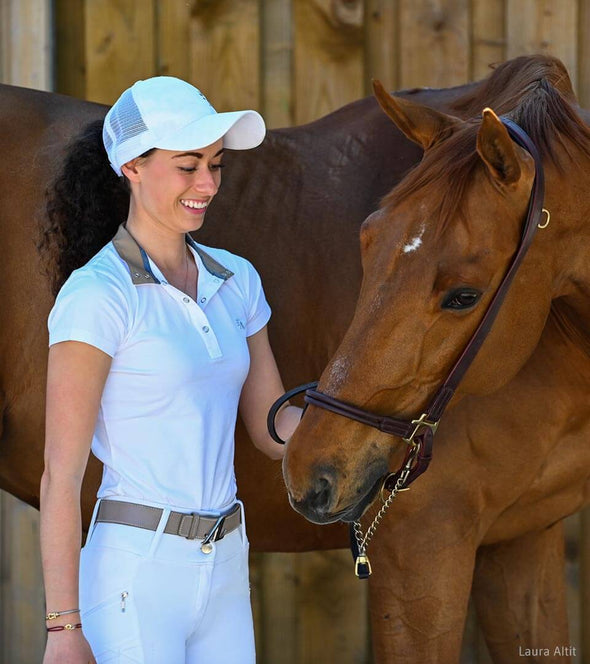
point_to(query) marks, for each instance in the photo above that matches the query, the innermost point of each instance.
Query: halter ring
(546, 211)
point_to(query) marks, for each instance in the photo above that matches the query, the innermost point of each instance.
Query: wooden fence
(294, 60)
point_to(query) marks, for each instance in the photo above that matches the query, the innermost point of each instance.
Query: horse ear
(496, 148)
(420, 124)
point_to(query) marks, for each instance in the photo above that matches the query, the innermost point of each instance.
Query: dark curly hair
(86, 203)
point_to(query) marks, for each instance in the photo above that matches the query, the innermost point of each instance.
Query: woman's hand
(68, 647)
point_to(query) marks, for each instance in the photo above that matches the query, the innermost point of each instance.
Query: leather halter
(419, 433)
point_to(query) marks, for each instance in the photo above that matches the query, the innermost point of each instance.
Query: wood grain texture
(224, 46)
(277, 63)
(543, 26)
(487, 36)
(329, 38)
(26, 43)
(333, 623)
(435, 47)
(173, 39)
(382, 56)
(22, 633)
(120, 46)
(583, 53)
(70, 47)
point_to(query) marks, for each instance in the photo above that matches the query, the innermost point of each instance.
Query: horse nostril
(320, 497)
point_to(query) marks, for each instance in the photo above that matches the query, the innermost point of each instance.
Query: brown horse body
(294, 207)
(511, 456)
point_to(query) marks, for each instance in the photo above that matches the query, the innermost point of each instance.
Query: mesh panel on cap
(126, 121)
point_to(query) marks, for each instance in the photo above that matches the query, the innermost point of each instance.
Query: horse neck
(568, 242)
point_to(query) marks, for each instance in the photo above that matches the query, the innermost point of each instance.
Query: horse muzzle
(322, 501)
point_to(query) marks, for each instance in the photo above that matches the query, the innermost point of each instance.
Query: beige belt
(192, 526)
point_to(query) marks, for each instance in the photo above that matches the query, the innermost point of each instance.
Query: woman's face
(175, 188)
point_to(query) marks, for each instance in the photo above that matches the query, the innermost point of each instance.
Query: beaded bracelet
(55, 614)
(61, 628)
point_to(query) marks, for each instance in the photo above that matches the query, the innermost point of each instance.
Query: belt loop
(92, 525)
(194, 527)
(159, 530)
(242, 526)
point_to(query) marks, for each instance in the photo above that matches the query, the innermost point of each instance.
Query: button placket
(202, 324)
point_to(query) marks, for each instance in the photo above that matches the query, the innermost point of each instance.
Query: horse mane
(536, 93)
(510, 81)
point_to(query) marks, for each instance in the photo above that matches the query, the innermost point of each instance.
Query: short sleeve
(91, 309)
(258, 308)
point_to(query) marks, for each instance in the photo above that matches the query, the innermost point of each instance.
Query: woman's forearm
(61, 533)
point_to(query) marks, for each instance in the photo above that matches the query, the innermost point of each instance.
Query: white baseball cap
(171, 114)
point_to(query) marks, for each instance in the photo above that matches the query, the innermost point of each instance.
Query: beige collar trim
(139, 266)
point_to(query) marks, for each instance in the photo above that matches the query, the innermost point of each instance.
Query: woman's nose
(206, 182)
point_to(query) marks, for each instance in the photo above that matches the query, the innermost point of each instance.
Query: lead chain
(362, 564)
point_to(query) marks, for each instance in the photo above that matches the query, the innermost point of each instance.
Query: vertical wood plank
(277, 63)
(279, 609)
(584, 548)
(381, 43)
(70, 47)
(333, 619)
(21, 583)
(573, 580)
(434, 42)
(487, 38)
(173, 39)
(328, 56)
(225, 38)
(26, 43)
(583, 40)
(120, 46)
(544, 26)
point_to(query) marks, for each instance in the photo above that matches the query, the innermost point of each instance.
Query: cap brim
(241, 130)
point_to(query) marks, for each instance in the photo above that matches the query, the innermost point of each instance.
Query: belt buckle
(194, 525)
(214, 535)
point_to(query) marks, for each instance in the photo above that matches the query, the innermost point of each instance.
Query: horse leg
(418, 599)
(519, 595)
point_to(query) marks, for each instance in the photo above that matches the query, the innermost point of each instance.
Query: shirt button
(205, 329)
(185, 299)
(203, 299)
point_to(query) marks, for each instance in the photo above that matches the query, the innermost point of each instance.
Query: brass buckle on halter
(420, 422)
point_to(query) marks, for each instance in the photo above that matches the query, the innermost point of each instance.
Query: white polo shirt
(165, 429)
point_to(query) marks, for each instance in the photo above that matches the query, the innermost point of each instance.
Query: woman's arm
(76, 376)
(261, 389)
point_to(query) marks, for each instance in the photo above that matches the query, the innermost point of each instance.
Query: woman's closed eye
(192, 169)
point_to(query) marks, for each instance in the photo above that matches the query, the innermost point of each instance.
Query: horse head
(433, 257)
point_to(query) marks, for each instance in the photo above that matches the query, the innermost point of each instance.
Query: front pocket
(111, 628)
(121, 596)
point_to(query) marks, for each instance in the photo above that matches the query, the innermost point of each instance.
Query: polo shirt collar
(138, 261)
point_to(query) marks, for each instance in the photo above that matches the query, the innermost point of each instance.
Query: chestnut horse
(289, 206)
(294, 207)
(511, 456)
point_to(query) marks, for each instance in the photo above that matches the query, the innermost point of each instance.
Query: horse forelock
(444, 175)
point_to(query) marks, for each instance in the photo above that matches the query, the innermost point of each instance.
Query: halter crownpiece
(418, 433)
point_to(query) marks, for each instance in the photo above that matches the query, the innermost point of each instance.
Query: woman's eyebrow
(198, 155)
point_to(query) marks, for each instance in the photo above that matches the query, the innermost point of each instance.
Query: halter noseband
(419, 433)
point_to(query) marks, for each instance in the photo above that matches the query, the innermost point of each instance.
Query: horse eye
(461, 298)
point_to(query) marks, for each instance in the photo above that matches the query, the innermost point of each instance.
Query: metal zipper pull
(124, 596)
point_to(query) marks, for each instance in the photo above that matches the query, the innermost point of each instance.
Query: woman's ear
(130, 170)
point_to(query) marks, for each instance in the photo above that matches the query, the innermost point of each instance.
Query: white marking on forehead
(415, 243)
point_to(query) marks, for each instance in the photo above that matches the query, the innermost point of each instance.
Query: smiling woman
(155, 341)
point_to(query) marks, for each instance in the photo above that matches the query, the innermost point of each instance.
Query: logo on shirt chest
(240, 324)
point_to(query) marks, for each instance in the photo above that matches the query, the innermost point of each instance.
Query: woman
(154, 342)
